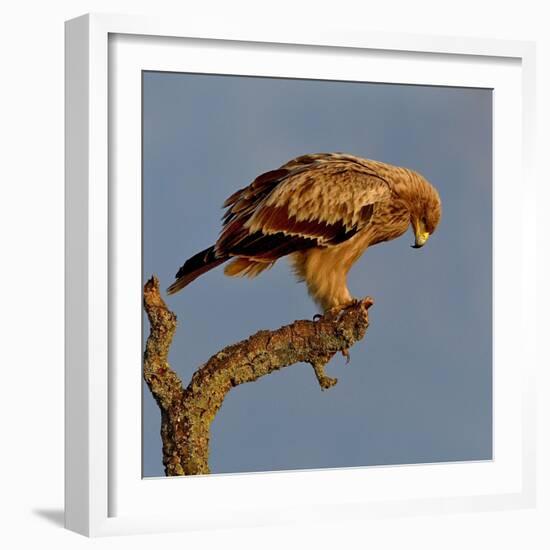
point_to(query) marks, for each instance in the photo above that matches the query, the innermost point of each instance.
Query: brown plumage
(323, 211)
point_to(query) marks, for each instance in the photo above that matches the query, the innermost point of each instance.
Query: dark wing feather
(313, 200)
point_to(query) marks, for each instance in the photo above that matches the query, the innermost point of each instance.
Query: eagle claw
(346, 354)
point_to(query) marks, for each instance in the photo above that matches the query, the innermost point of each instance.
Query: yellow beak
(420, 239)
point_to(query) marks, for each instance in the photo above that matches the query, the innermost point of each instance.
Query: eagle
(323, 211)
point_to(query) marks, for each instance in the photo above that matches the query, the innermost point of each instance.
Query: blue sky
(419, 386)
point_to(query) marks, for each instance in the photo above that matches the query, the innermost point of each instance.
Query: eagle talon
(336, 312)
(346, 354)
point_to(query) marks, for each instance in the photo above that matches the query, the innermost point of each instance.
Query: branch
(186, 414)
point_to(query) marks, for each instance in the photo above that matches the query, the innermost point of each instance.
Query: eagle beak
(420, 240)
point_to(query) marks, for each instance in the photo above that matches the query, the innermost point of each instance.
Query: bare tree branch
(187, 413)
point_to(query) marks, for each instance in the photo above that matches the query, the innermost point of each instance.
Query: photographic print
(317, 270)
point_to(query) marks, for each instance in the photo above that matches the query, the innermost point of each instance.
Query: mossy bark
(187, 413)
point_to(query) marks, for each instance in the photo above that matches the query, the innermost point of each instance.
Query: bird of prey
(322, 210)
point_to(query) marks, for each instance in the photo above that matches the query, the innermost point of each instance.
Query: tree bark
(187, 413)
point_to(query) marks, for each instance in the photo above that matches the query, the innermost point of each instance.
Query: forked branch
(187, 413)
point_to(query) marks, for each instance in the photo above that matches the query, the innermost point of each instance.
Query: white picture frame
(104, 53)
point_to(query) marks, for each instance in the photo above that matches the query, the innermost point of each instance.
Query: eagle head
(425, 211)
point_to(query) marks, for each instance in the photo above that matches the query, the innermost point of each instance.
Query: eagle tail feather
(194, 267)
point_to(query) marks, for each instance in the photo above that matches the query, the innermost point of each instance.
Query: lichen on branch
(187, 413)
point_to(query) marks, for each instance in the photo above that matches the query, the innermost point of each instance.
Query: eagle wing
(313, 200)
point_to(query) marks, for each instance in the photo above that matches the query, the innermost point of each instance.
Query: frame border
(87, 239)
